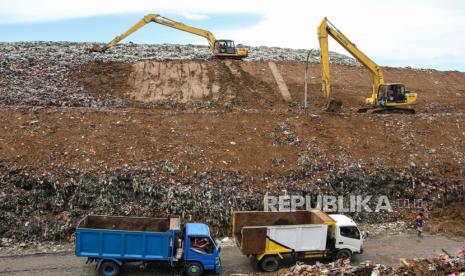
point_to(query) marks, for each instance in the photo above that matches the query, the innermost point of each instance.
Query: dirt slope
(243, 141)
(251, 84)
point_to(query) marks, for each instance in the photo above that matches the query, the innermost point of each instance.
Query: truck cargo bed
(250, 229)
(126, 238)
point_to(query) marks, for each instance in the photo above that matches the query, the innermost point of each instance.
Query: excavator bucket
(334, 106)
(97, 48)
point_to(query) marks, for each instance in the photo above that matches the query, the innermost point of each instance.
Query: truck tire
(108, 268)
(343, 254)
(269, 263)
(194, 269)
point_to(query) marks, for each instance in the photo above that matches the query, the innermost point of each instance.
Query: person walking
(419, 222)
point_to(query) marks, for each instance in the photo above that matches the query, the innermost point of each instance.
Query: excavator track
(387, 110)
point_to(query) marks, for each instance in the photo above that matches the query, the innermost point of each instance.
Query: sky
(416, 33)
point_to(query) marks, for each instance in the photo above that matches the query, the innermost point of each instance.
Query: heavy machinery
(113, 241)
(271, 237)
(385, 97)
(222, 48)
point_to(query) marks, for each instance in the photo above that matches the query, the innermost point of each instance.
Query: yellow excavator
(222, 48)
(385, 97)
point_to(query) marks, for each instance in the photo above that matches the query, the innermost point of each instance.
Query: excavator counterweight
(220, 48)
(385, 97)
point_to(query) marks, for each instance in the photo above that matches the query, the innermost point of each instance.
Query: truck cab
(348, 239)
(200, 251)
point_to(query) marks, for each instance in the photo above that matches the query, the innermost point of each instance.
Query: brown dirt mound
(449, 220)
(255, 142)
(251, 84)
(223, 83)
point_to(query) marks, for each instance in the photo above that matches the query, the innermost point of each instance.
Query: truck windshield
(350, 232)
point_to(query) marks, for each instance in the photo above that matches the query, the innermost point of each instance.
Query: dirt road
(386, 250)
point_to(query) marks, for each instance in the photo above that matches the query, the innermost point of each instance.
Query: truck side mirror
(218, 245)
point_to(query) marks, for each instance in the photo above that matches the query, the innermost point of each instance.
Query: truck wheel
(108, 268)
(194, 269)
(269, 264)
(343, 254)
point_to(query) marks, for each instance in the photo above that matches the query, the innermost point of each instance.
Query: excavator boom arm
(327, 28)
(183, 27)
(163, 21)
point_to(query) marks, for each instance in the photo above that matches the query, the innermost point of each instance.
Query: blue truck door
(205, 255)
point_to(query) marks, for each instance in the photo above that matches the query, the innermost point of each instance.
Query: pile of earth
(449, 219)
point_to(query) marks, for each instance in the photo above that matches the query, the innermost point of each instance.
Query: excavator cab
(391, 93)
(390, 97)
(394, 94)
(225, 46)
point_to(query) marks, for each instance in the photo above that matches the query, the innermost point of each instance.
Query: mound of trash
(442, 265)
(40, 204)
(339, 267)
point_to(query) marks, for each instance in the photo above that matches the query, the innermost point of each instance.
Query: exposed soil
(449, 220)
(242, 141)
(251, 84)
(221, 84)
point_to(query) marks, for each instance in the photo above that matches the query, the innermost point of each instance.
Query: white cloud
(389, 30)
(195, 16)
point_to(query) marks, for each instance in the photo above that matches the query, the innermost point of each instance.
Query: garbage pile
(132, 52)
(264, 53)
(339, 267)
(45, 204)
(440, 265)
(39, 73)
(283, 134)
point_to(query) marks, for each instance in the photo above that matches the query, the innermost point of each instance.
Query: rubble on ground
(371, 230)
(339, 267)
(441, 265)
(283, 134)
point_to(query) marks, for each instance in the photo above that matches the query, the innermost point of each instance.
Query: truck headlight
(217, 260)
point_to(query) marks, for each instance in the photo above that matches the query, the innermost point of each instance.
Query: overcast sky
(417, 33)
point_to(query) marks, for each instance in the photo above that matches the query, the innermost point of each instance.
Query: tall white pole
(305, 87)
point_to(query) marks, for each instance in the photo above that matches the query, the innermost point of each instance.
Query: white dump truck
(271, 236)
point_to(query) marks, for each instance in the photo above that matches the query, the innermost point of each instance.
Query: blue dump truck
(113, 241)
